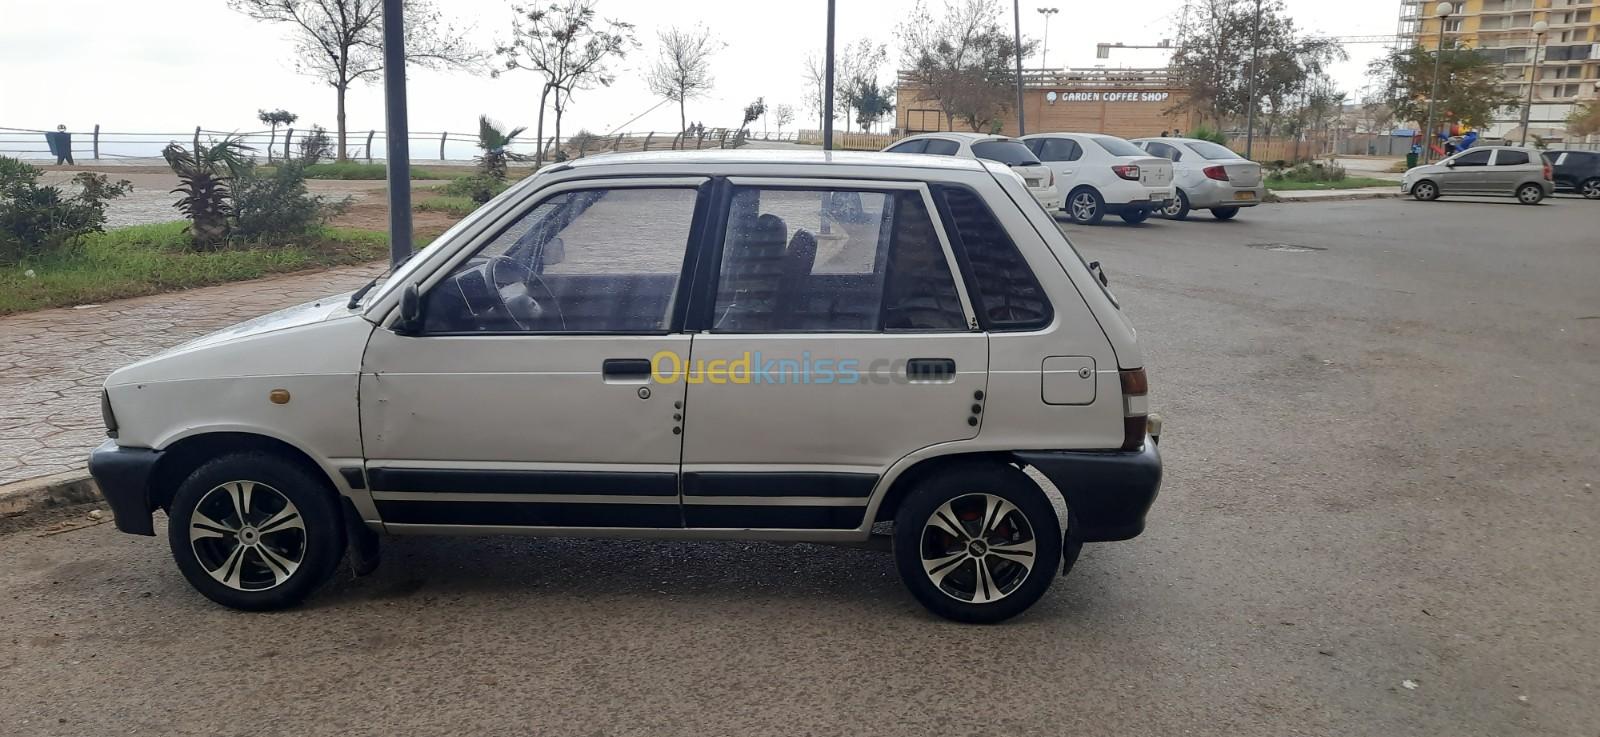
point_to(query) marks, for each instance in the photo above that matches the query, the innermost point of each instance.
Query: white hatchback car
(1041, 182)
(703, 345)
(1209, 176)
(1104, 175)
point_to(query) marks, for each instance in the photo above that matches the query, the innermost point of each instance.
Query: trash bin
(1411, 160)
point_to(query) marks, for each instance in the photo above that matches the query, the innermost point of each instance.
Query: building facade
(1122, 102)
(1569, 66)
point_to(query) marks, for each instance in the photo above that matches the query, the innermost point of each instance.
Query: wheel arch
(183, 456)
(901, 483)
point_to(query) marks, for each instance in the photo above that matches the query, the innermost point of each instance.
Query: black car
(1576, 171)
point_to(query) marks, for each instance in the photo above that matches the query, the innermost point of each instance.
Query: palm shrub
(36, 220)
(496, 144)
(205, 176)
(1207, 133)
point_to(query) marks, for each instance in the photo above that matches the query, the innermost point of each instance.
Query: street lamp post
(827, 95)
(1016, 18)
(1044, 53)
(1539, 30)
(396, 130)
(1250, 113)
(1442, 11)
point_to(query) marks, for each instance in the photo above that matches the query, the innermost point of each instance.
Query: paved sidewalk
(54, 361)
(1364, 193)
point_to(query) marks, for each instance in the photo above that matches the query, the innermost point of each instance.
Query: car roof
(689, 160)
(959, 136)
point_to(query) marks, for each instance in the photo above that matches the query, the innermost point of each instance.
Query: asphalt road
(1380, 470)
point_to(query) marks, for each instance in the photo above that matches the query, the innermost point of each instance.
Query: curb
(47, 492)
(1353, 195)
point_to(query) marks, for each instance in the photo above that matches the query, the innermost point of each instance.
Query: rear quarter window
(1006, 294)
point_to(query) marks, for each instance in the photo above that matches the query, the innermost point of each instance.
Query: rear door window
(1473, 158)
(1511, 158)
(909, 147)
(942, 147)
(1058, 149)
(1010, 153)
(1163, 150)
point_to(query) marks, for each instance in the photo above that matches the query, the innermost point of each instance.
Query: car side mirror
(1451, 164)
(410, 322)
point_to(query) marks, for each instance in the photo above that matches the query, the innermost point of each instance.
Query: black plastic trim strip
(529, 514)
(469, 481)
(773, 518)
(844, 485)
(353, 477)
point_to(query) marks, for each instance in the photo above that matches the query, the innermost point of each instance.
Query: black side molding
(353, 477)
(523, 482)
(844, 485)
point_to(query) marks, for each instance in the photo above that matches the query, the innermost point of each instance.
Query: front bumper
(1108, 492)
(123, 475)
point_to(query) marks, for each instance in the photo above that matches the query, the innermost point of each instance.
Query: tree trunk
(558, 121)
(339, 90)
(538, 134)
(271, 138)
(683, 117)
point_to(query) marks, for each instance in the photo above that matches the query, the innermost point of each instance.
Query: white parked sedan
(1209, 176)
(1009, 151)
(1104, 175)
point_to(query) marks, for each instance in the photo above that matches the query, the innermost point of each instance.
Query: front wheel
(1590, 189)
(1224, 213)
(1134, 217)
(1530, 194)
(1085, 206)
(1178, 208)
(1425, 191)
(255, 531)
(980, 544)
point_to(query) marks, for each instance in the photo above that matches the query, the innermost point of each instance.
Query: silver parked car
(1505, 171)
(1208, 176)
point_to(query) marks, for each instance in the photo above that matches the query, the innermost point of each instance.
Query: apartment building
(1569, 66)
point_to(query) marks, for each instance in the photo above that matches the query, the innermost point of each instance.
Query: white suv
(721, 345)
(1103, 175)
(1040, 181)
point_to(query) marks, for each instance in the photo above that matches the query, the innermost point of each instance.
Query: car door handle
(625, 368)
(930, 369)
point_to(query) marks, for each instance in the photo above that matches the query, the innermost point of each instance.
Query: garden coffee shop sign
(1098, 96)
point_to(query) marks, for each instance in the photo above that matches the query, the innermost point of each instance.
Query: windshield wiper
(355, 299)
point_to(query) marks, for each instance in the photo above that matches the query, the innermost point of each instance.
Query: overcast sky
(168, 65)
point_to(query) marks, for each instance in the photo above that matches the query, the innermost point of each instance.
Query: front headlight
(106, 415)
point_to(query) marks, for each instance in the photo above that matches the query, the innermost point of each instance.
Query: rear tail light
(1218, 173)
(1548, 172)
(1135, 407)
(1051, 181)
(1127, 171)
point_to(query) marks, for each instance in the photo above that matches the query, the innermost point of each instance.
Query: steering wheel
(523, 294)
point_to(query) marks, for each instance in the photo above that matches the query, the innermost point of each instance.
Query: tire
(278, 564)
(1179, 209)
(938, 564)
(1590, 189)
(1224, 213)
(1134, 217)
(1425, 191)
(1530, 194)
(1085, 206)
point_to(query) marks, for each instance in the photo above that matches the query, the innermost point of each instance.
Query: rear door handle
(626, 368)
(930, 369)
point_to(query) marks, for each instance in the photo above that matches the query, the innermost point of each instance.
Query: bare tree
(571, 46)
(341, 41)
(783, 115)
(962, 59)
(855, 71)
(682, 70)
(816, 76)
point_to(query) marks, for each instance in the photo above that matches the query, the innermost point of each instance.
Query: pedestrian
(60, 143)
(1163, 134)
(1177, 133)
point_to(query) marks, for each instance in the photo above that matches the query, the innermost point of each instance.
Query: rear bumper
(1212, 193)
(1108, 492)
(123, 475)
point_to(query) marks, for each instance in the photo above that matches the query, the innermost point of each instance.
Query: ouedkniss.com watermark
(667, 367)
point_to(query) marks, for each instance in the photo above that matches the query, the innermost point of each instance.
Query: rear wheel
(1134, 217)
(1530, 194)
(1178, 209)
(1425, 191)
(980, 544)
(1224, 213)
(1085, 206)
(254, 531)
(1590, 189)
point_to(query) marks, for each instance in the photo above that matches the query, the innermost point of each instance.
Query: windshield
(1010, 153)
(403, 272)
(1119, 147)
(1213, 151)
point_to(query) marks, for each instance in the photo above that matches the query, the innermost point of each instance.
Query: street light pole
(1016, 18)
(1250, 115)
(1044, 53)
(1442, 11)
(827, 96)
(1527, 110)
(397, 149)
